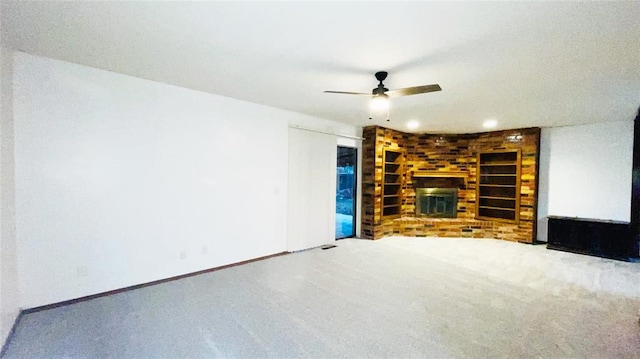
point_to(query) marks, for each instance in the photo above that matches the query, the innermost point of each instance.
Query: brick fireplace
(445, 161)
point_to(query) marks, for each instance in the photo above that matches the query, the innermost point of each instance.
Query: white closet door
(312, 189)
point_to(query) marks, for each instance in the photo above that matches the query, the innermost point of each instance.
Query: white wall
(9, 300)
(116, 177)
(585, 171)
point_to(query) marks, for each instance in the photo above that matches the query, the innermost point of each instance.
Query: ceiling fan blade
(414, 90)
(348, 93)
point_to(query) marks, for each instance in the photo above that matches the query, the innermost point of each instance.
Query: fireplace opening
(437, 202)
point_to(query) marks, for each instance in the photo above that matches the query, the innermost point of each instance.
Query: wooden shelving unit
(392, 178)
(498, 186)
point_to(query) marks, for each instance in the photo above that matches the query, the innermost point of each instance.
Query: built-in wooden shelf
(498, 186)
(392, 177)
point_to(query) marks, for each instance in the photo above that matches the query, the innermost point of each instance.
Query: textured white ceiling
(524, 64)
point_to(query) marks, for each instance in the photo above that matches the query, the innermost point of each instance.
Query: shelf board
(441, 174)
(391, 195)
(391, 206)
(497, 185)
(499, 174)
(509, 163)
(499, 208)
(497, 197)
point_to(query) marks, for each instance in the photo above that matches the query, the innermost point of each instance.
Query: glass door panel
(346, 192)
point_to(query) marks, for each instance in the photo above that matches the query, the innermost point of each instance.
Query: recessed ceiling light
(490, 123)
(413, 124)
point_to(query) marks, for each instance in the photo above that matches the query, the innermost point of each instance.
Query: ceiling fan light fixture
(379, 103)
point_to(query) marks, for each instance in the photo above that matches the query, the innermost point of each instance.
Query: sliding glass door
(346, 192)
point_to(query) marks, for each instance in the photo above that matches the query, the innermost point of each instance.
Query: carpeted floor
(397, 297)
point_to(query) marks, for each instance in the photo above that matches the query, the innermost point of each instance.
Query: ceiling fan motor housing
(381, 75)
(380, 90)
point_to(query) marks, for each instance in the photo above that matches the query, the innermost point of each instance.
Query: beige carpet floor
(397, 297)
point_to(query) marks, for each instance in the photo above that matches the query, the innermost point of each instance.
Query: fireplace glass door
(437, 202)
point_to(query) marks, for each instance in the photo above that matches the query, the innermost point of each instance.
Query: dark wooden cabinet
(601, 238)
(498, 186)
(392, 178)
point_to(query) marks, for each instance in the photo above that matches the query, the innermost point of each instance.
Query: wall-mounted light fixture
(516, 137)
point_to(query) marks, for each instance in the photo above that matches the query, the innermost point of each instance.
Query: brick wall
(446, 153)
(376, 139)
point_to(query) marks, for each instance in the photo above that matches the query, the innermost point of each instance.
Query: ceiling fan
(380, 95)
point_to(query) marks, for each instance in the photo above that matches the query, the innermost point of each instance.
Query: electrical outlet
(82, 271)
(183, 254)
